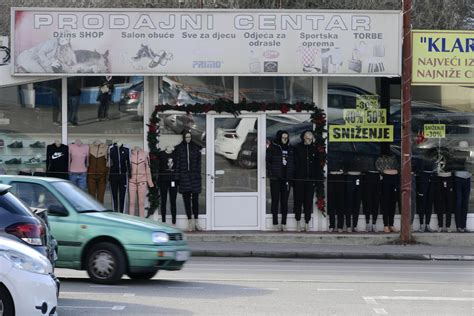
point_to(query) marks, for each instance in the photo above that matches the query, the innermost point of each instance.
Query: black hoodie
(307, 161)
(188, 166)
(280, 159)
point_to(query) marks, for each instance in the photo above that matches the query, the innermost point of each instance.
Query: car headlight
(27, 263)
(160, 238)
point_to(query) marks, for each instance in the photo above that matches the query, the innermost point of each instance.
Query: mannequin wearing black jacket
(57, 160)
(307, 175)
(280, 168)
(119, 173)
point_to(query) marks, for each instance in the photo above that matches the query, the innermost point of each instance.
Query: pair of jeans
(165, 187)
(303, 193)
(390, 197)
(103, 111)
(135, 189)
(462, 189)
(79, 179)
(336, 188)
(191, 202)
(353, 199)
(371, 196)
(72, 107)
(280, 190)
(118, 186)
(424, 196)
(444, 200)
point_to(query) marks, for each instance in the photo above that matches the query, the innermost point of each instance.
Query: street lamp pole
(406, 177)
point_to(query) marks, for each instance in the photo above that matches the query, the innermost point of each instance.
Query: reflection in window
(276, 89)
(30, 119)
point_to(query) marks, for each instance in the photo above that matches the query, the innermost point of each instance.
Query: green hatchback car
(105, 243)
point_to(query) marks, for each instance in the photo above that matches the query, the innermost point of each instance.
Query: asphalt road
(255, 286)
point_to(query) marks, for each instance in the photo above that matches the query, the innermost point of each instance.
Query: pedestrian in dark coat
(307, 174)
(280, 166)
(188, 167)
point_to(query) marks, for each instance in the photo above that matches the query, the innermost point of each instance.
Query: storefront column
(320, 98)
(64, 110)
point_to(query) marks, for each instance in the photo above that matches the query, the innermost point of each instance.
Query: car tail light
(133, 95)
(28, 232)
(230, 135)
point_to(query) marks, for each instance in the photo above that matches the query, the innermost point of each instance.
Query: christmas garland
(318, 118)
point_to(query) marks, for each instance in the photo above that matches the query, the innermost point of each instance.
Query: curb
(328, 255)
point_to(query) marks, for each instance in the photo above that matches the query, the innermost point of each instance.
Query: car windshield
(80, 200)
(9, 203)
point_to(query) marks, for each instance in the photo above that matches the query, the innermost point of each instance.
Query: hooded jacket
(280, 159)
(140, 165)
(307, 161)
(188, 166)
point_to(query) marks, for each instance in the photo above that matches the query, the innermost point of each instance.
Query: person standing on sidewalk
(74, 93)
(307, 174)
(280, 168)
(106, 89)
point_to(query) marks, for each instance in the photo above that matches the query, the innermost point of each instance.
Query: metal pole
(406, 178)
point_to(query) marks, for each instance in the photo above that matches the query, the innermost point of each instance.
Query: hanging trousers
(303, 193)
(96, 185)
(165, 187)
(280, 190)
(371, 196)
(336, 188)
(424, 193)
(118, 186)
(462, 189)
(390, 197)
(444, 199)
(353, 199)
(135, 189)
(191, 198)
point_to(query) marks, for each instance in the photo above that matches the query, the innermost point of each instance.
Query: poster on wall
(443, 57)
(206, 42)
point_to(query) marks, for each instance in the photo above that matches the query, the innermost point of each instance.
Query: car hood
(130, 221)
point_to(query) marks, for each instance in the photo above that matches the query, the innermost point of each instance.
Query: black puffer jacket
(307, 164)
(188, 167)
(280, 159)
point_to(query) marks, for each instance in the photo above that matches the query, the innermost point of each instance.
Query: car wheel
(6, 302)
(106, 263)
(142, 275)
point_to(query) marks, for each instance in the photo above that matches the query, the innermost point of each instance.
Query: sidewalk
(429, 246)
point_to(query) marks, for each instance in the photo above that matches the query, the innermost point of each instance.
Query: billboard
(206, 42)
(443, 57)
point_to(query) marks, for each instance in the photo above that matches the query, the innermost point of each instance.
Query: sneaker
(38, 144)
(16, 145)
(331, 230)
(57, 123)
(276, 228)
(340, 230)
(306, 227)
(428, 229)
(197, 227)
(2, 143)
(13, 161)
(33, 161)
(349, 229)
(298, 226)
(283, 228)
(393, 229)
(386, 229)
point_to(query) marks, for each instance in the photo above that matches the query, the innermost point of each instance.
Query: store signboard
(206, 42)
(434, 130)
(443, 57)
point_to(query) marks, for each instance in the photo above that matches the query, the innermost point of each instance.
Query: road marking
(409, 290)
(335, 289)
(370, 300)
(380, 311)
(114, 308)
(102, 293)
(423, 298)
(186, 287)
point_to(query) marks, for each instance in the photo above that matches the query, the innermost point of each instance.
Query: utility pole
(406, 178)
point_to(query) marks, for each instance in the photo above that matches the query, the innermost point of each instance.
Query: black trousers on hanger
(444, 199)
(390, 197)
(424, 196)
(303, 193)
(353, 199)
(462, 189)
(280, 190)
(336, 196)
(371, 196)
(118, 186)
(191, 198)
(165, 187)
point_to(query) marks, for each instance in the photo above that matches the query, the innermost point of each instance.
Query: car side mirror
(57, 210)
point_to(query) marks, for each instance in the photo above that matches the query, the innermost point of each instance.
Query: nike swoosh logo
(56, 155)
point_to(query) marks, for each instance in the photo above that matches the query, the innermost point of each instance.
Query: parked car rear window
(10, 204)
(79, 199)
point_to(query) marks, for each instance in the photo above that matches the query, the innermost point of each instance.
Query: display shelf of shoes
(19, 154)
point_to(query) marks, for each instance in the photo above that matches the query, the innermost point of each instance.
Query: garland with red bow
(318, 118)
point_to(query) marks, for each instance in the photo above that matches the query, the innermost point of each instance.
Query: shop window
(30, 117)
(276, 89)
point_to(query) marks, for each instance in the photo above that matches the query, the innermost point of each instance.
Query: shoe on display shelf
(2, 143)
(33, 161)
(16, 144)
(13, 161)
(38, 144)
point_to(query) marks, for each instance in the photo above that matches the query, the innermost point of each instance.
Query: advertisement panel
(206, 42)
(443, 57)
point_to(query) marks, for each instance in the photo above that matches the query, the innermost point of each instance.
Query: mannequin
(462, 186)
(106, 89)
(307, 174)
(336, 196)
(119, 172)
(57, 160)
(371, 191)
(168, 181)
(139, 181)
(444, 199)
(280, 168)
(97, 171)
(188, 167)
(353, 199)
(424, 198)
(78, 162)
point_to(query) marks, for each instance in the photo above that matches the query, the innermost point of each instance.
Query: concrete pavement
(427, 246)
